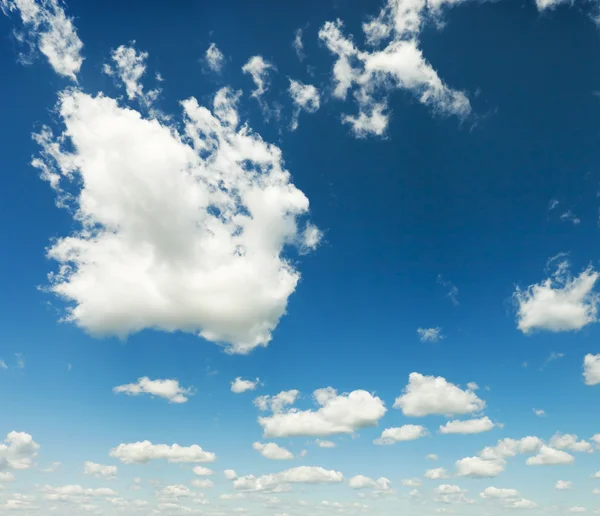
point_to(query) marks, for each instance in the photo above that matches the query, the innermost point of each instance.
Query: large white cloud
(18, 451)
(426, 395)
(471, 426)
(167, 389)
(338, 414)
(558, 303)
(363, 482)
(399, 63)
(178, 231)
(144, 451)
(54, 34)
(570, 442)
(272, 451)
(591, 369)
(240, 385)
(548, 456)
(478, 468)
(403, 433)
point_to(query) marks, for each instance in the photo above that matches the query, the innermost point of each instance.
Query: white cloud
(324, 444)
(412, 482)
(577, 509)
(18, 451)
(591, 369)
(563, 485)
(362, 482)
(277, 482)
(230, 474)
(258, 69)
(51, 31)
(167, 389)
(548, 456)
(543, 5)
(571, 217)
(6, 476)
(432, 456)
(74, 493)
(510, 447)
(477, 467)
(214, 58)
(570, 442)
(238, 385)
(203, 483)
(472, 426)
(277, 402)
(305, 97)
(370, 75)
(99, 470)
(451, 289)
(498, 493)
(558, 303)
(403, 433)
(273, 451)
(427, 395)
(436, 474)
(3, 365)
(298, 45)
(201, 471)
(194, 225)
(430, 334)
(539, 412)
(450, 494)
(145, 451)
(338, 414)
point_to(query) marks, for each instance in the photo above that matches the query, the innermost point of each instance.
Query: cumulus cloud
(259, 69)
(548, 456)
(495, 492)
(427, 395)
(539, 412)
(436, 474)
(273, 451)
(362, 482)
(570, 442)
(99, 470)
(238, 385)
(450, 494)
(563, 485)
(167, 389)
(6, 476)
(144, 451)
(18, 451)
(430, 334)
(277, 402)
(305, 97)
(544, 5)
(3, 365)
(178, 232)
(558, 303)
(509, 498)
(371, 74)
(277, 482)
(591, 369)
(477, 467)
(403, 433)
(74, 493)
(201, 471)
(338, 414)
(48, 28)
(214, 58)
(324, 444)
(230, 474)
(472, 426)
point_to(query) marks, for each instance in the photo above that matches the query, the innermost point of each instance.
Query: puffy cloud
(277, 482)
(370, 75)
(201, 471)
(258, 69)
(338, 414)
(273, 451)
(167, 389)
(591, 369)
(436, 474)
(230, 474)
(497, 493)
(403, 433)
(451, 494)
(432, 456)
(305, 98)
(6, 476)
(145, 451)
(412, 482)
(430, 334)
(277, 402)
(362, 482)
(472, 426)
(543, 5)
(193, 225)
(477, 467)
(563, 485)
(558, 303)
(238, 385)
(324, 444)
(510, 447)
(74, 493)
(99, 470)
(214, 58)
(18, 451)
(570, 442)
(53, 33)
(426, 395)
(548, 456)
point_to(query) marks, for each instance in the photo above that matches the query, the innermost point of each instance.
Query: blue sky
(288, 258)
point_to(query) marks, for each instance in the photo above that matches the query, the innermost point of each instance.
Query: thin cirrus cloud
(47, 27)
(223, 273)
(167, 389)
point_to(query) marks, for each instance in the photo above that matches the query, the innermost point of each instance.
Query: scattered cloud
(145, 451)
(551, 358)
(298, 45)
(451, 494)
(19, 451)
(477, 467)
(570, 442)
(548, 456)
(452, 290)
(277, 482)
(436, 474)
(3, 365)
(273, 451)
(362, 482)
(539, 412)
(99, 470)
(569, 216)
(201, 471)
(591, 369)
(259, 69)
(48, 28)
(338, 414)
(214, 58)
(403, 433)
(167, 389)
(563, 485)
(432, 456)
(427, 395)
(305, 97)
(472, 426)
(277, 402)
(430, 334)
(558, 303)
(238, 385)
(20, 360)
(324, 444)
